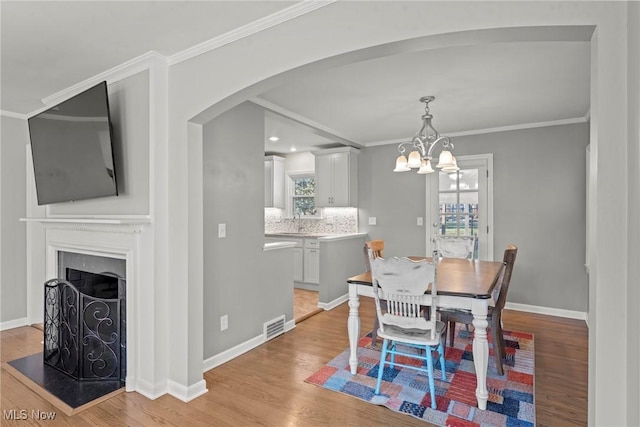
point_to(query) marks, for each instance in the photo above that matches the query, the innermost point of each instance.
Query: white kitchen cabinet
(311, 261)
(336, 183)
(274, 189)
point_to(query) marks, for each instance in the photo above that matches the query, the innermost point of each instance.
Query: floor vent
(273, 328)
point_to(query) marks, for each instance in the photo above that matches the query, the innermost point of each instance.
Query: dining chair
(494, 316)
(373, 249)
(455, 246)
(403, 283)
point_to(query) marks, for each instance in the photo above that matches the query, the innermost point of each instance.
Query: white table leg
(480, 349)
(353, 326)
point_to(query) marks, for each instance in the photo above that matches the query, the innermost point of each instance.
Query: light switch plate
(372, 220)
(420, 221)
(222, 231)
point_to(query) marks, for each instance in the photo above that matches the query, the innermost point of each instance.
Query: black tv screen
(72, 149)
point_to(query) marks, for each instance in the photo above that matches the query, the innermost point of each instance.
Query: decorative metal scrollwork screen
(84, 336)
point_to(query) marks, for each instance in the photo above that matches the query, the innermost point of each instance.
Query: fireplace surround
(114, 247)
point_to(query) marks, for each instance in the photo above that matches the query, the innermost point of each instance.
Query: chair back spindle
(404, 283)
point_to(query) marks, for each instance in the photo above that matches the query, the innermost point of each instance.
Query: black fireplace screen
(84, 326)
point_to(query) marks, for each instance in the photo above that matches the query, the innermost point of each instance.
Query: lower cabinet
(312, 265)
(312, 261)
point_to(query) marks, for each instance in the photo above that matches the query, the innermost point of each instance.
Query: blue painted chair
(404, 283)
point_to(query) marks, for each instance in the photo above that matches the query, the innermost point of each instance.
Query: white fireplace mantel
(89, 220)
(123, 237)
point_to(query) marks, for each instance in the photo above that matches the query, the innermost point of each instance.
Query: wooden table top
(458, 277)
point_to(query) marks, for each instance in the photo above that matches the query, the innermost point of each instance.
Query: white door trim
(483, 160)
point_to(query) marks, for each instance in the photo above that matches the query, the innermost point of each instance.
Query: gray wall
(395, 199)
(539, 205)
(240, 280)
(13, 235)
(339, 259)
(633, 158)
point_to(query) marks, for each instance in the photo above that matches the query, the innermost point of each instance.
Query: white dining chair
(455, 246)
(404, 283)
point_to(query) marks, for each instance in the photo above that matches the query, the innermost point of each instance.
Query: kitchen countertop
(323, 236)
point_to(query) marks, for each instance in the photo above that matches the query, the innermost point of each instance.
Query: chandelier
(422, 147)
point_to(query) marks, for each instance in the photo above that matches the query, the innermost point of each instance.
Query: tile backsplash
(333, 221)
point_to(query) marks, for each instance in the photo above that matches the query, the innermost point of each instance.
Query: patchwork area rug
(511, 396)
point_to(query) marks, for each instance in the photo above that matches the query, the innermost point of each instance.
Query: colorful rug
(511, 396)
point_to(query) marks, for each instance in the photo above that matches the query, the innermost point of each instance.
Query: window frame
(291, 176)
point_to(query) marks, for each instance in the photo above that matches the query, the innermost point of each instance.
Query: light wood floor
(266, 385)
(305, 304)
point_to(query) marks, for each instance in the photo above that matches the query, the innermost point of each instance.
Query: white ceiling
(47, 47)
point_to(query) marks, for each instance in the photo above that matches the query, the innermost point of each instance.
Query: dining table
(461, 284)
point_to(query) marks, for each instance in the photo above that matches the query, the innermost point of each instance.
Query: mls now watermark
(23, 414)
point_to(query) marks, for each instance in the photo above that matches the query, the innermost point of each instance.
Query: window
(458, 204)
(303, 195)
(461, 203)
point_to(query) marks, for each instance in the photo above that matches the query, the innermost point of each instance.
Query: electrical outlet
(224, 322)
(222, 231)
(420, 221)
(372, 220)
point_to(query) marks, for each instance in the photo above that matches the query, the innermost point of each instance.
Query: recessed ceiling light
(292, 149)
(274, 138)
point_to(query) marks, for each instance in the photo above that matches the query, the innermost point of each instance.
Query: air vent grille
(273, 328)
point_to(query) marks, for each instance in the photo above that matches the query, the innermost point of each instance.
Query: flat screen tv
(71, 145)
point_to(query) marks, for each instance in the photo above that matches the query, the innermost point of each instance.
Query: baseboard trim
(16, 323)
(333, 304)
(184, 393)
(238, 350)
(149, 390)
(549, 311)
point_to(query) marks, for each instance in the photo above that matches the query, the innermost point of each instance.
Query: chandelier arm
(401, 148)
(446, 142)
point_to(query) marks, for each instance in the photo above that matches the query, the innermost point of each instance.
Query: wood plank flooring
(305, 304)
(266, 387)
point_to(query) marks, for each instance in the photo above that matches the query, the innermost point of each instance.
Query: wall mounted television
(72, 149)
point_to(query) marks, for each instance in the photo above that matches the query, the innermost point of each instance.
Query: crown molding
(523, 126)
(151, 58)
(520, 127)
(14, 115)
(124, 70)
(254, 27)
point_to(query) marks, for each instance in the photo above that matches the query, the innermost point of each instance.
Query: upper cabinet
(274, 182)
(337, 177)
